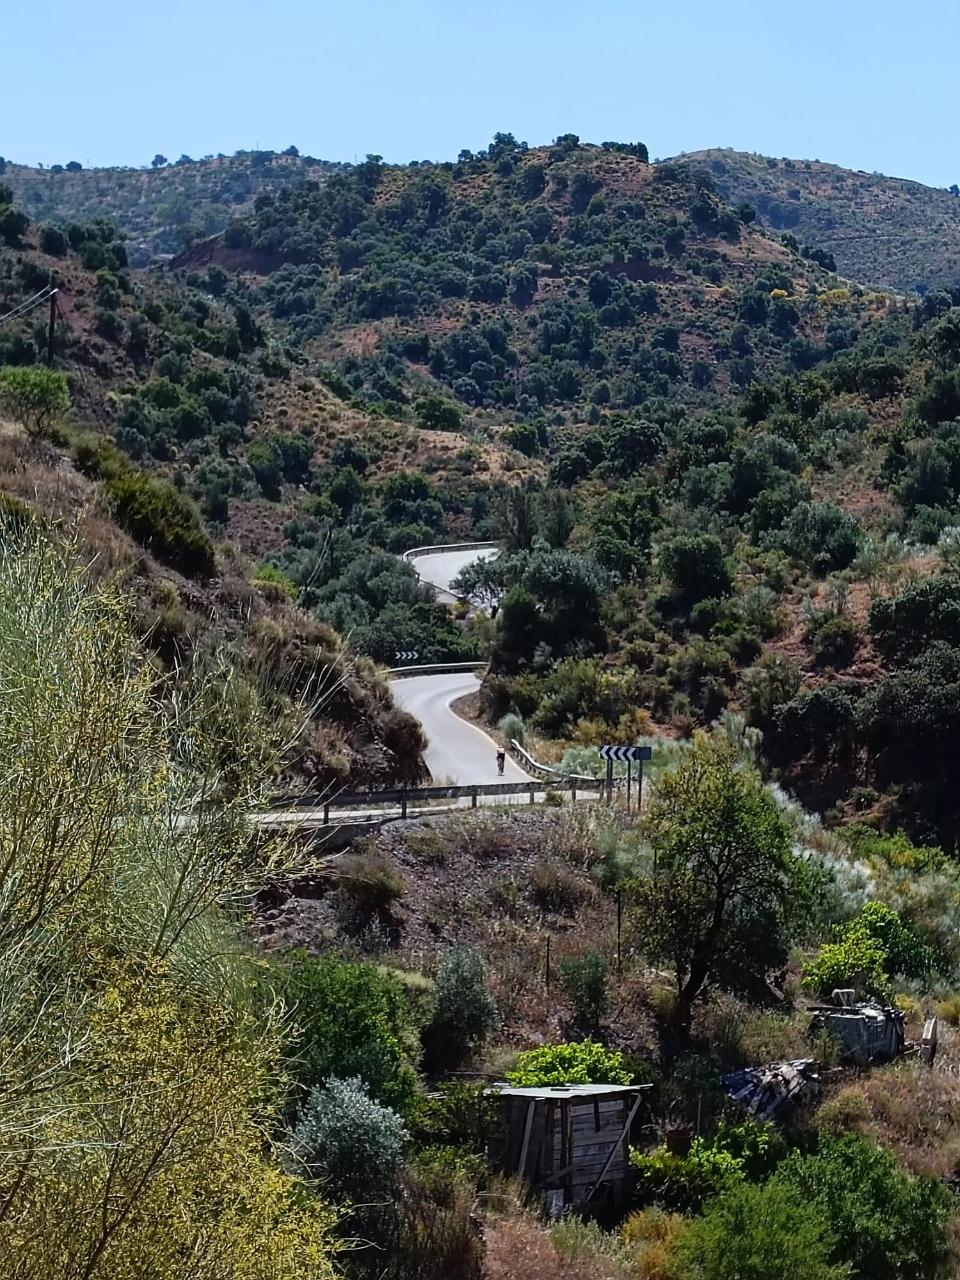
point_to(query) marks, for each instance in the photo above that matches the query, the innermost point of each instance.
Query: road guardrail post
(403, 803)
(473, 798)
(326, 813)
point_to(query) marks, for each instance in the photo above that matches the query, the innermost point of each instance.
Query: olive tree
(33, 396)
(726, 892)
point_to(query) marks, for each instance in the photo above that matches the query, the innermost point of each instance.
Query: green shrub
(460, 1114)
(822, 535)
(579, 1062)
(512, 728)
(161, 519)
(583, 980)
(866, 952)
(681, 1184)
(368, 886)
(854, 960)
(886, 1224)
(767, 1232)
(439, 1166)
(354, 1020)
(464, 1010)
(353, 1143)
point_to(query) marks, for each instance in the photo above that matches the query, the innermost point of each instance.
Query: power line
(29, 304)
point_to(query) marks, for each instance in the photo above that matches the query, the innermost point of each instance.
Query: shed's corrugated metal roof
(562, 1091)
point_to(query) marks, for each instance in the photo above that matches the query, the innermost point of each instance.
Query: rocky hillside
(888, 232)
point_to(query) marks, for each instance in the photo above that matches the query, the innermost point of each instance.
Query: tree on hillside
(34, 396)
(727, 893)
(13, 223)
(482, 583)
(158, 161)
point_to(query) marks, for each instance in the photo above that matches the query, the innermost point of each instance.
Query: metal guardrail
(439, 548)
(404, 797)
(435, 669)
(527, 759)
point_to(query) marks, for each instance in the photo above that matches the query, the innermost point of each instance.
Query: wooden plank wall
(570, 1140)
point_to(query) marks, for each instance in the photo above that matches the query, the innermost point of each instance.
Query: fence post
(573, 793)
(533, 793)
(548, 962)
(473, 798)
(326, 813)
(403, 803)
(619, 931)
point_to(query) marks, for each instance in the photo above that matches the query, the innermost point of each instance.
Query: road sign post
(625, 755)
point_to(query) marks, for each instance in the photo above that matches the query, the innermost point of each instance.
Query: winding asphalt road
(440, 567)
(457, 751)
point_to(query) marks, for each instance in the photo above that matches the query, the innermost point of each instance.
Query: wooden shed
(569, 1142)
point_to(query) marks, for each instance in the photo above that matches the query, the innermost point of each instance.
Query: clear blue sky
(865, 83)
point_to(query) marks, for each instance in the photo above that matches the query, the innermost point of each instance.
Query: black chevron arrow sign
(611, 752)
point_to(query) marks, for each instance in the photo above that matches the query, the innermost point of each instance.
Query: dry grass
(519, 1247)
(910, 1109)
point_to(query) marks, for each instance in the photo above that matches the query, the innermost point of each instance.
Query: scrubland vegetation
(725, 482)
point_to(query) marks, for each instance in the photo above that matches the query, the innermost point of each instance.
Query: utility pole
(51, 325)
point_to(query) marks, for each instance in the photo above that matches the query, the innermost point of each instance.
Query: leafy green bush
(161, 519)
(583, 980)
(681, 1184)
(354, 1020)
(886, 1225)
(512, 727)
(767, 1232)
(867, 952)
(464, 1010)
(458, 1114)
(822, 535)
(351, 1142)
(855, 960)
(579, 1062)
(695, 566)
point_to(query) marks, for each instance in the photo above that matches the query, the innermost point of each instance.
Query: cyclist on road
(501, 761)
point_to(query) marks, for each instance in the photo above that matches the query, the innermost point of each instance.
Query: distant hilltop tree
(158, 161)
(74, 166)
(290, 151)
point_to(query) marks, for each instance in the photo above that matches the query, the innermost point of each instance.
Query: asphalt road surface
(457, 751)
(439, 568)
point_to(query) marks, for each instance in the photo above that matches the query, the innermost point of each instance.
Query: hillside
(715, 467)
(161, 208)
(200, 599)
(888, 232)
(726, 484)
(586, 279)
